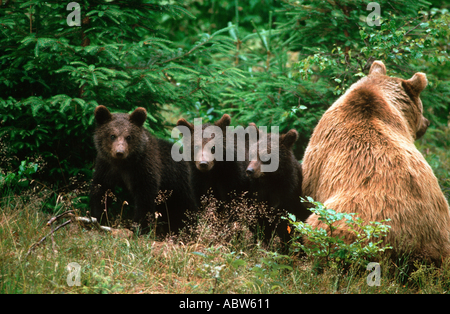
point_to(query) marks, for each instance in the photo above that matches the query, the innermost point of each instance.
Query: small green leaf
(200, 254)
(94, 79)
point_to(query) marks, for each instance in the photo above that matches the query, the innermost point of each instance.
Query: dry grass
(214, 255)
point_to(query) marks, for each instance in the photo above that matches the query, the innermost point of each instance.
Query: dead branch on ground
(85, 222)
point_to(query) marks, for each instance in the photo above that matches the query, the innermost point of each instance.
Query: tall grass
(208, 262)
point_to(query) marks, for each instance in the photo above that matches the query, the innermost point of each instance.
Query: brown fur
(280, 189)
(129, 156)
(361, 159)
(223, 177)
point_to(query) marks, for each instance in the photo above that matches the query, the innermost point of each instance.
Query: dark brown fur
(224, 177)
(128, 155)
(281, 189)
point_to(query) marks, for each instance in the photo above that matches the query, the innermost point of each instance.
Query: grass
(205, 263)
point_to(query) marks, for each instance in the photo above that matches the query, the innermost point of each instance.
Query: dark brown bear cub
(280, 189)
(129, 156)
(210, 167)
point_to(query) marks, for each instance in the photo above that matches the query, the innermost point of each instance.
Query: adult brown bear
(361, 159)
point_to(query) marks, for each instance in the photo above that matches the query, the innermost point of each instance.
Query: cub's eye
(128, 137)
(213, 149)
(113, 137)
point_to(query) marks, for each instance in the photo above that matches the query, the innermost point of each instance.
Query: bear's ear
(289, 138)
(138, 116)
(260, 133)
(224, 121)
(416, 84)
(253, 125)
(102, 114)
(185, 123)
(377, 67)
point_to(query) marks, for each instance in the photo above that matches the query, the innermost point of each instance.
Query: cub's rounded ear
(185, 123)
(260, 133)
(253, 125)
(289, 138)
(376, 68)
(138, 116)
(102, 114)
(224, 121)
(416, 84)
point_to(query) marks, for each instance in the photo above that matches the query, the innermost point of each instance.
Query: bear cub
(209, 171)
(280, 189)
(129, 156)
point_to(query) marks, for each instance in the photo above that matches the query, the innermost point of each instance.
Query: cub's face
(117, 139)
(208, 146)
(262, 150)
(270, 151)
(119, 135)
(204, 153)
(404, 95)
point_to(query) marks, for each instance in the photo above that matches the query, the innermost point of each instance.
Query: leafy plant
(20, 178)
(271, 269)
(100, 281)
(324, 245)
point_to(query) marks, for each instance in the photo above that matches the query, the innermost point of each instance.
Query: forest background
(275, 63)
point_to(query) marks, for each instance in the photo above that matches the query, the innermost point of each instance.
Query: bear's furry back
(362, 159)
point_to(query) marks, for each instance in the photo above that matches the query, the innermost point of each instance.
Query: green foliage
(53, 128)
(20, 178)
(271, 269)
(436, 149)
(54, 75)
(270, 62)
(98, 281)
(323, 244)
(339, 47)
(303, 54)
